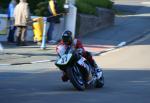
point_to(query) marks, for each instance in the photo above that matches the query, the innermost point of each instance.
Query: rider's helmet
(67, 37)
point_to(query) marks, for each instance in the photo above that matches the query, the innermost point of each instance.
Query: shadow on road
(50, 81)
(42, 87)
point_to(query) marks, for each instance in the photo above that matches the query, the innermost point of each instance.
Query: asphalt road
(121, 86)
(127, 80)
(130, 2)
(129, 6)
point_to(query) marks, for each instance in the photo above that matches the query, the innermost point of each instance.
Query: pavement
(127, 29)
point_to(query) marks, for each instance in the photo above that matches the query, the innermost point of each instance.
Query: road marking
(146, 3)
(110, 51)
(116, 48)
(122, 44)
(42, 61)
(23, 63)
(5, 64)
(1, 48)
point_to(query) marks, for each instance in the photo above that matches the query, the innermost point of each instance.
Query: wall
(90, 23)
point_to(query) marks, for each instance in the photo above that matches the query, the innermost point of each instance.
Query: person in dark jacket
(53, 19)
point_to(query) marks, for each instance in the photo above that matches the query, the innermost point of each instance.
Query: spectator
(53, 11)
(10, 18)
(22, 16)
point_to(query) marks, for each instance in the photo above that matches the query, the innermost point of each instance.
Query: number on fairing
(64, 59)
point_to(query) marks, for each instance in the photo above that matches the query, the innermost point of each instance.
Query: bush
(89, 6)
(40, 7)
(4, 3)
(99, 3)
(33, 4)
(85, 8)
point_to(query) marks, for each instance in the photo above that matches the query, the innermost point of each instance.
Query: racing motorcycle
(78, 69)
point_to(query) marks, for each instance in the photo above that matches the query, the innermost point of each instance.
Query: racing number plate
(64, 59)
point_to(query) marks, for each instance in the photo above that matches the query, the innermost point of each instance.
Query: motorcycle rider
(67, 40)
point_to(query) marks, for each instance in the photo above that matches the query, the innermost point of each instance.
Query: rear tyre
(76, 78)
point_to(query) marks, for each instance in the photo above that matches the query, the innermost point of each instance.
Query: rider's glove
(80, 50)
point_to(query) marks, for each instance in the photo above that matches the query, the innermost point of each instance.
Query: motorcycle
(78, 69)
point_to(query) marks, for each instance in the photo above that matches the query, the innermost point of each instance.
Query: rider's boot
(98, 71)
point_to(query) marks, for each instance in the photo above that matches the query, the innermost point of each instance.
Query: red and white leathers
(61, 47)
(78, 46)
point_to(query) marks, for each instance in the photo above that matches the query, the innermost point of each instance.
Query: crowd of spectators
(19, 18)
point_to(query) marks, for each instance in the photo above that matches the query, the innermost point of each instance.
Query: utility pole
(70, 18)
(72, 2)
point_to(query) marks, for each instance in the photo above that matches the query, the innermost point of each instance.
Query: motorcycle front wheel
(76, 77)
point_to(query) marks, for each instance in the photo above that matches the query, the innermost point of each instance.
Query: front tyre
(76, 78)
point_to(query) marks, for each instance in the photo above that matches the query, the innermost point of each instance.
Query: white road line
(42, 61)
(146, 3)
(1, 48)
(5, 64)
(122, 44)
(117, 48)
(34, 62)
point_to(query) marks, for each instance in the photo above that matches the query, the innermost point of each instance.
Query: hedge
(89, 6)
(40, 7)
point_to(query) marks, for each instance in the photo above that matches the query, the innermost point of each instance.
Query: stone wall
(90, 23)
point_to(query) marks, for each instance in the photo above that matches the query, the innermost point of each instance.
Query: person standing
(54, 18)
(22, 16)
(10, 19)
